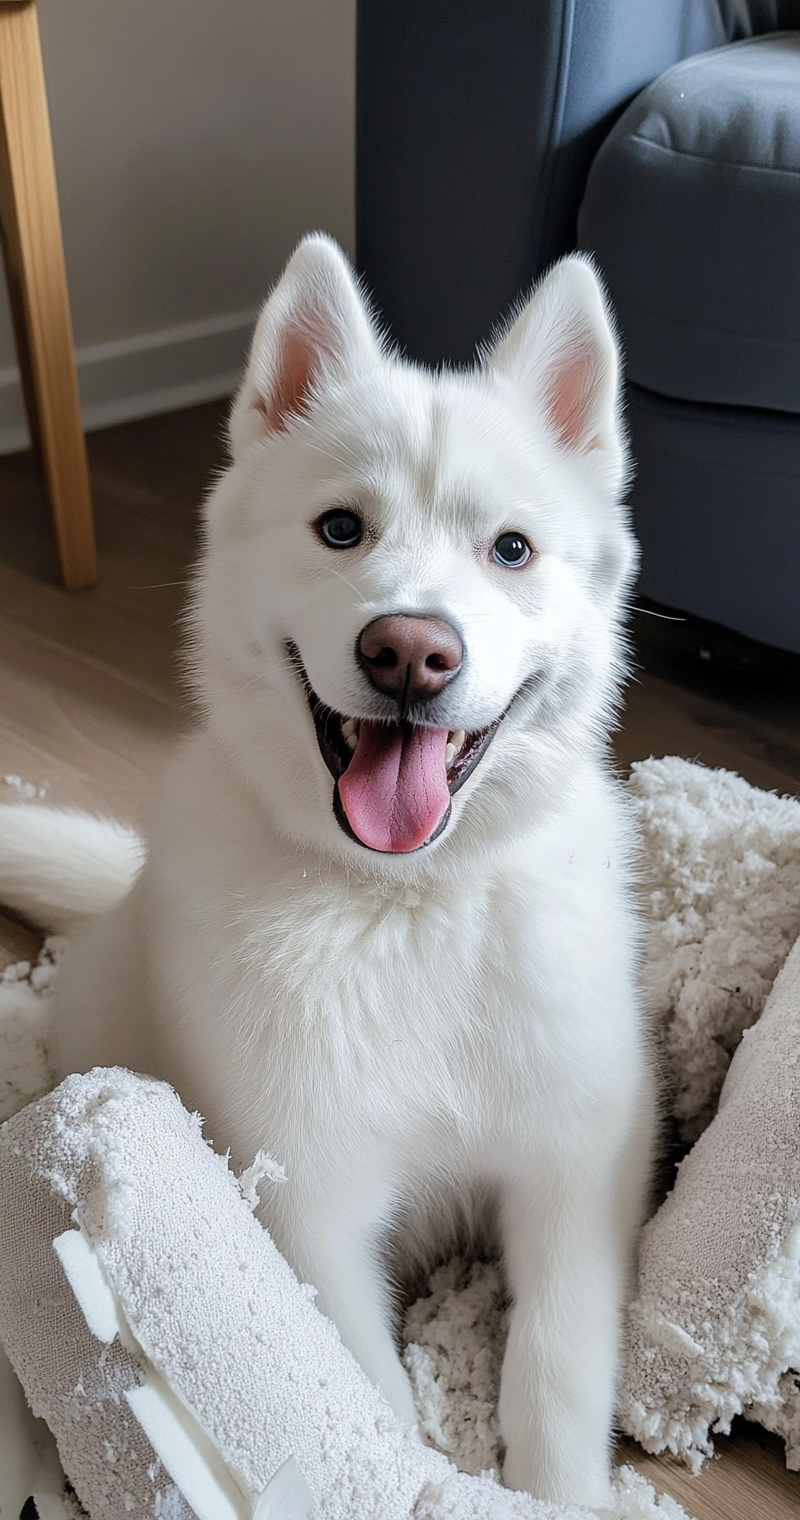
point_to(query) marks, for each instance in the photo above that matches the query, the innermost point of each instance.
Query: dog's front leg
(566, 1267)
(334, 1245)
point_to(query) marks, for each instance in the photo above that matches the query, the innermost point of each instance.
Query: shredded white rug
(721, 881)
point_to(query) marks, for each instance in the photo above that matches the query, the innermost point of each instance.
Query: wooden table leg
(34, 257)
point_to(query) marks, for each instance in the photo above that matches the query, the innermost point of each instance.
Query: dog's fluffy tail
(59, 866)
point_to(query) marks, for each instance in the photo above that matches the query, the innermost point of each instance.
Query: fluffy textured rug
(721, 890)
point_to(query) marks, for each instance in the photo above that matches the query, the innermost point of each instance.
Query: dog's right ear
(561, 353)
(314, 326)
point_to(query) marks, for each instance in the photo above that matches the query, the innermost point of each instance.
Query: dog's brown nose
(410, 658)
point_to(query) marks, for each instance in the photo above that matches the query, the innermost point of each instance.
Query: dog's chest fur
(436, 1025)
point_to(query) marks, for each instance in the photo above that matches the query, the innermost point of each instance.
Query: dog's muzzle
(395, 780)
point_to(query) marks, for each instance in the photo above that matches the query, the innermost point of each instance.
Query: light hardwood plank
(663, 718)
(747, 1480)
(90, 697)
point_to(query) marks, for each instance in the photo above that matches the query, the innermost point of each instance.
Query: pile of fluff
(25, 1001)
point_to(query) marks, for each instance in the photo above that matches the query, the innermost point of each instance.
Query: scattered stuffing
(263, 1168)
(636, 1499)
(168, 1504)
(454, 1338)
(26, 789)
(722, 886)
(24, 1028)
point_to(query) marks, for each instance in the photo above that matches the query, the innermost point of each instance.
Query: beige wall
(195, 141)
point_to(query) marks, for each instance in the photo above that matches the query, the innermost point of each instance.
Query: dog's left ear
(561, 352)
(314, 326)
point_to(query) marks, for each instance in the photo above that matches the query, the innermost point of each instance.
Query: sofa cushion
(715, 509)
(692, 209)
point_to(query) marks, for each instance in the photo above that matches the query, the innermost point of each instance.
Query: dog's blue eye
(511, 550)
(340, 529)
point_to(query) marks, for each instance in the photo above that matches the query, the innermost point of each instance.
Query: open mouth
(394, 781)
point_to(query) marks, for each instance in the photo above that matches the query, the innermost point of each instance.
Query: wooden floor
(90, 703)
(90, 700)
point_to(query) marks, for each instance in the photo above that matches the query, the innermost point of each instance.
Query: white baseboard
(139, 376)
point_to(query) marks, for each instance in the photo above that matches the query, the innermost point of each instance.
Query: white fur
(58, 866)
(402, 1031)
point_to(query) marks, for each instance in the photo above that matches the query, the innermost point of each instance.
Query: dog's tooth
(457, 738)
(348, 727)
(351, 740)
(450, 754)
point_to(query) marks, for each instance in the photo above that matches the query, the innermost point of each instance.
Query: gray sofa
(692, 209)
(664, 137)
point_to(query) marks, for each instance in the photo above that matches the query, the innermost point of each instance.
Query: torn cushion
(720, 872)
(180, 1364)
(715, 1326)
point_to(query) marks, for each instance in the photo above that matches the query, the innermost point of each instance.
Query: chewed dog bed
(722, 885)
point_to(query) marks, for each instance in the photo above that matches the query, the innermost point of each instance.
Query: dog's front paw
(561, 1483)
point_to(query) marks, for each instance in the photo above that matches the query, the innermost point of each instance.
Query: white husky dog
(384, 926)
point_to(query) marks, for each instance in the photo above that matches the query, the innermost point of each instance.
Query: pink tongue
(394, 790)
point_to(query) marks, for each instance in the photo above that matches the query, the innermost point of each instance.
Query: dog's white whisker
(331, 571)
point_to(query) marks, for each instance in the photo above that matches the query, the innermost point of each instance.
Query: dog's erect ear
(562, 354)
(314, 324)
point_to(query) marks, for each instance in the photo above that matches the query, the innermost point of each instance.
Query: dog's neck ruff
(394, 792)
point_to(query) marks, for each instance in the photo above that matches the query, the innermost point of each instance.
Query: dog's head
(407, 611)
